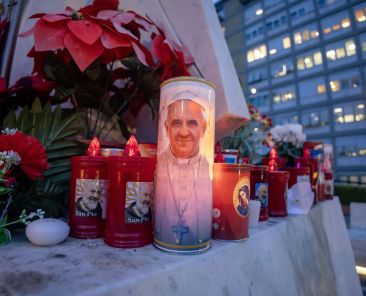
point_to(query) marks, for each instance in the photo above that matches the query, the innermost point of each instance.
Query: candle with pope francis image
(184, 174)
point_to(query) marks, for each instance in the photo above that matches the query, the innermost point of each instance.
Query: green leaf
(10, 120)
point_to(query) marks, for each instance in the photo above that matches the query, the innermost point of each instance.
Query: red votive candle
(231, 192)
(298, 175)
(277, 193)
(259, 188)
(273, 161)
(88, 196)
(129, 222)
(312, 164)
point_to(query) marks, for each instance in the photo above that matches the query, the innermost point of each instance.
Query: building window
(326, 5)
(360, 14)
(253, 13)
(351, 151)
(309, 61)
(315, 118)
(284, 95)
(282, 69)
(306, 34)
(340, 50)
(257, 76)
(345, 83)
(260, 100)
(276, 23)
(302, 11)
(272, 5)
(279, 45)
(363, 44)
(336, 24)
(286, 118)
(312, 90)
(254, 33)
(354, 112)
(257, 53)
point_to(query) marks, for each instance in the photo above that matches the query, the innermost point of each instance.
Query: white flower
(13, 157)
(290, 133)
(9, 131)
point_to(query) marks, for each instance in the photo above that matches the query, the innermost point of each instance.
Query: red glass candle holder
(277, 193)
(259, 188)
(298, 175)
(231, 192)
(275, 163)
(312, 164)
(88, 196)
(129, 222)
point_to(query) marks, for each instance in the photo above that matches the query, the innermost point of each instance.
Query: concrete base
(298, 255)
(358, 215)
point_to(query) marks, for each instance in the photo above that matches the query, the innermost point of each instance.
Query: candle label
(261, 194)
(91, 197)
(241, 196)
(138, 202)
(303, 178)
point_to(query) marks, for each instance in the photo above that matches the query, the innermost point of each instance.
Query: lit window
(253, 91)
(327, 30)
(349, 118)
(286, 42)
(297, 38)
(257, 53)
(331, 55)
(318, 60)
(276, 99)
(259, 11)
(314, 34)
(335, 85)
(340, 52)
(308, 62)
(345, 23)
(360, 15)
(350, 48)
(272, 51)
(336, 27)
(320, 89)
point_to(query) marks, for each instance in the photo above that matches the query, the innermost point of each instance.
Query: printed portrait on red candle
(138, 202)
(183, 211)
(90, 198)
(261, 193)
(241, 197)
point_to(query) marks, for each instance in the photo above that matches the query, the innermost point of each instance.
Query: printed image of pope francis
(183, 200)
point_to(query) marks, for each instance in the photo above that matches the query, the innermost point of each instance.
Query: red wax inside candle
(88, 195)
(277, 199)
(276, 163)
(129, 222)
(298, 175)
(231, 192)
(259, 188)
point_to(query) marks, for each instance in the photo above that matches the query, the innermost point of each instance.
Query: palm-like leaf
(54, 131)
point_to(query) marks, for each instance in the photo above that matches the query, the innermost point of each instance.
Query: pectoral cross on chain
(179, 231)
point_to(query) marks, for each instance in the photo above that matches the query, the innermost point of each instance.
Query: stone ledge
(358, 215)
(298, 255)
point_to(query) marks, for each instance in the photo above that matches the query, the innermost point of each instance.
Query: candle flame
(273, 153)
(94, 148)
(132, 147)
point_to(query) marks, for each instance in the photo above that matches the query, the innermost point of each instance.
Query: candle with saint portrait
(183, 196)
(231, 193)
(88, 193)
(131, 179)
(259, 188)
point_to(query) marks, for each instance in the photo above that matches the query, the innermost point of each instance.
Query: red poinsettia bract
(33, 155)
(91, 33)
(172, 59)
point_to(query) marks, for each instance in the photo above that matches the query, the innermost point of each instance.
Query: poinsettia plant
(104, 59)
(250, 138)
